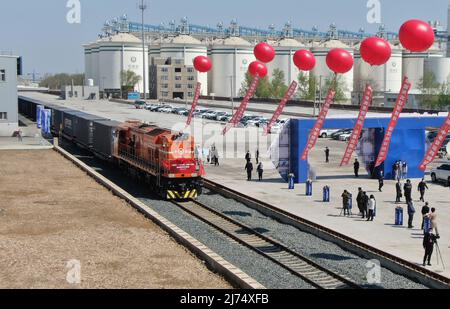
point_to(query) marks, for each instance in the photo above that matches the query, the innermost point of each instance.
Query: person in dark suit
(398, 188)
(407, 188)
(381, 181)
(411, 212)
(428, 244)
(365, 205)
(359, 200)
(421, 188)
(356, 168)
(327, 155)
(346, 202)
(249, 169)
(425, 211)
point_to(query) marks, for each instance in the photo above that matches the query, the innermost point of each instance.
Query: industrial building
(171, 78)
(9, 121)
(231, 51)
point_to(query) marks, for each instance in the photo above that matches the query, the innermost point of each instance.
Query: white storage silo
(186, 47)
(118, 53)
(320, 51)
(284, 59)
(231, 58)
(383, 78)
(440, 67)
(413, 64)
(87, 62)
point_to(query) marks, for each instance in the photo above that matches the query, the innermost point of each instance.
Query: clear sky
(38, 30)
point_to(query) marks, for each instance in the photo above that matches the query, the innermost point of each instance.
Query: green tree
(129, 80)
(56, 81)
(337, 83)
(278, 86)
(263, 90)
(307, 86)
(429, 88)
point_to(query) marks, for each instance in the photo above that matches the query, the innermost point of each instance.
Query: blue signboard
(134, 95)
(39, 109)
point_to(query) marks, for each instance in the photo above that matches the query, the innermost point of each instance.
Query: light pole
(143, 7)
(232, 94)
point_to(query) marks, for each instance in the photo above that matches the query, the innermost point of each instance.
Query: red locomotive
(165, 160)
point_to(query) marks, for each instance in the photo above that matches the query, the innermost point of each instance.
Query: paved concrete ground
(382, 233)
(52, 213)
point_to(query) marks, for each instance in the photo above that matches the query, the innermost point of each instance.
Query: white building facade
(9, 119)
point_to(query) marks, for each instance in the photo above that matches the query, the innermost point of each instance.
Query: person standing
(381, 181)
(404, 170)
(216, 159)
(433, 219)
(407, 188)
(346, 202)
(365, 205)
(260, 170)
(371, 208)
(411, 212)
(428, 244)
(327, 155)
(249, 169)
(356, 168)
(421, 188)
(359, 200)
(257, 156)
(395, 171)
(248, 157)
(398, 188)
(425, 212)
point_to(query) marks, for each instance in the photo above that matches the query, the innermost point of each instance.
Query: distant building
(171, 78)
(80, 92)
(9, 121)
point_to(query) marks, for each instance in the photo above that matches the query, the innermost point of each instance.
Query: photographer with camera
(428, 244)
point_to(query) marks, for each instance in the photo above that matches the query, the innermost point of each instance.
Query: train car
(104, 136)
(166, 160)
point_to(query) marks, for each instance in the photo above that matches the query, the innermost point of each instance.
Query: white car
(327, 133)
(442, 173)
(345, 137)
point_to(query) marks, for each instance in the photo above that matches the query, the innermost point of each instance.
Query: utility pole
(143, 7)
(231, 94)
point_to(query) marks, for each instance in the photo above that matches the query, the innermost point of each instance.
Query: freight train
(164, 160)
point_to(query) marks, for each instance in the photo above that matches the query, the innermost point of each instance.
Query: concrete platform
(382, 233)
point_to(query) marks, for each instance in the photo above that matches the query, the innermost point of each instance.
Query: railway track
(394, 263)
(295, 263)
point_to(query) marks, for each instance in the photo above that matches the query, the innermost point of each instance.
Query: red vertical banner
(354, 138)
(194, 103)
(241, 110)
(399, 105)
(437, 144)
(314, 135)
(289, 93)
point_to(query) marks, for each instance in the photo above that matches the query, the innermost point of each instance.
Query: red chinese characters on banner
(194, 103)
(241, 110)
(354, 139)
(314, 135)
(437, 144)
(400, 104)
(289, 93)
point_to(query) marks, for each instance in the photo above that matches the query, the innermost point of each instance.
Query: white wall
(440, 67)
(8, 96)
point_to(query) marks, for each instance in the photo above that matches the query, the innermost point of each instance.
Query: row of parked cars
(339, 135)
(221, 116)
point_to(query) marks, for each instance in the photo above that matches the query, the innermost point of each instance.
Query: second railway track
(297, 264)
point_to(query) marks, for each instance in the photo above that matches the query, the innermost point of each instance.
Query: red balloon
(375, 51)
(258, 68)
(304, 60)
(264, 52)
(339, 60)
(202, 64)
(416, 35)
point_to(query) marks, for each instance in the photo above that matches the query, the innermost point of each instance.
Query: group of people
(249, 166)
(400, 170)
(213, 156)
(366, 205)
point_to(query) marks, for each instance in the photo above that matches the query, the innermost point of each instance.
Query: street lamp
(143, 7)
(232, 93)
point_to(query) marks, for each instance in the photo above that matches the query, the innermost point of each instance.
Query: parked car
(183, 111)
(221, 115)
(166, 109)
(336, 136)
(154, 107)
(442, 173)
(150, 106)
(140, 104)
(327, 133)
(345, 137)
(211, 115)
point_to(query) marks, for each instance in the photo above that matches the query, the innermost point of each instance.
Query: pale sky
(38, 30)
